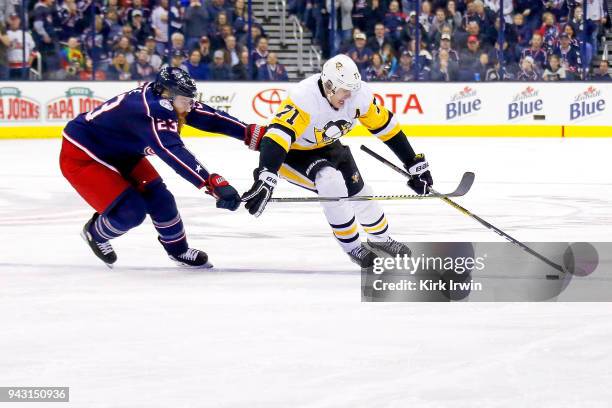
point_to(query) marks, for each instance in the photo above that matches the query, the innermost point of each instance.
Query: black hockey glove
(226, 195)
(261, 191)
(420, 177)
(253, 135)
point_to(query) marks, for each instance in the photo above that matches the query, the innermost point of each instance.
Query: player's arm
(287, 125)
(208, 119)
(384, 125)
(162, 136)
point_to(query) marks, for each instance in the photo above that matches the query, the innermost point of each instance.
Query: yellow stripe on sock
(378, 227)
(351, 231)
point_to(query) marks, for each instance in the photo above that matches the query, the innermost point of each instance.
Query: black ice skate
(103, 250)
(362, 256)
(391, 247)
(192, 258)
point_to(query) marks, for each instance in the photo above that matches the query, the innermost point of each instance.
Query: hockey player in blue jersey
(104, 152)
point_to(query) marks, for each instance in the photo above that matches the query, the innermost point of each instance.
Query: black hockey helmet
(175, 80)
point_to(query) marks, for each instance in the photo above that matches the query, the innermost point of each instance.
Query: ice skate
(391, 247)
(192, 258)
(103, 250)
(362, 256)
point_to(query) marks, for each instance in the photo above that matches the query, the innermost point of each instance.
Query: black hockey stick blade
(464, 185)
(462, 189)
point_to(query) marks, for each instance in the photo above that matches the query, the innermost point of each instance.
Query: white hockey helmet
(340, 72)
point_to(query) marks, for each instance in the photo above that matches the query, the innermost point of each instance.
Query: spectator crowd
(458, 40)
(132, 39)
(461, 40)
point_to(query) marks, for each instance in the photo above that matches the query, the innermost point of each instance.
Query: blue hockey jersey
(124, 129)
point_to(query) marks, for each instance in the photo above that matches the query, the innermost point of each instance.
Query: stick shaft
(354, 198)
(468, 213)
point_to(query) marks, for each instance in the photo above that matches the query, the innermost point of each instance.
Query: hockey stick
(462, 189)
(474, 216)
(354, 198)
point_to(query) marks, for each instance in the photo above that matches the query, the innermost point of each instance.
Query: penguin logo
(332, 131)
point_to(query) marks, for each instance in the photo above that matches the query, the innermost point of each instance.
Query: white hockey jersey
(306, 120)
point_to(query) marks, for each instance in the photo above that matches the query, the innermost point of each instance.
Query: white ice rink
(279, 322)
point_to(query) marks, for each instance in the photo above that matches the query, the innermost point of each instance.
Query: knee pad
(128, 212)
(158, 199)
(330, 183)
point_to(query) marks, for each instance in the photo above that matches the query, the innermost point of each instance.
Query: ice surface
(279, 322)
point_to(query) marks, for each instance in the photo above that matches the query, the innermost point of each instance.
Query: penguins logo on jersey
(332, 131)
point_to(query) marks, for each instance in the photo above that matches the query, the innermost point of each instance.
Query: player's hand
(226, 195)
(420, 176)
(253, 136)
(261, 191)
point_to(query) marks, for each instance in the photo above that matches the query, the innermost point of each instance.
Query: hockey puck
(552, 277)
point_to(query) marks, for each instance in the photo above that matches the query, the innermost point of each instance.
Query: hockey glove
(253, 136)
(420, 177)
(226, 195)
(261, 191)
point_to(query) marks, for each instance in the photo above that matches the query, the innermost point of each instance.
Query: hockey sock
(161, 206)
(340, 215)
(371, 217)
(127, 213)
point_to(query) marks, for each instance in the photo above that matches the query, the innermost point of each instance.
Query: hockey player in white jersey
(302, 145)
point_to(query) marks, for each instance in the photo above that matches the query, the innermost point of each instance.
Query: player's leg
(369, 213)
(118, 206)
(161, 207)
(341, 216)
(310, 170)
